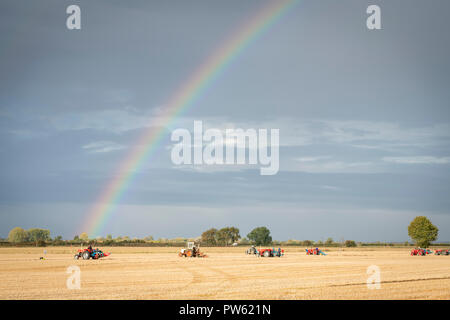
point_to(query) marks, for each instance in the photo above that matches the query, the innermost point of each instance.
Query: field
(158, 273)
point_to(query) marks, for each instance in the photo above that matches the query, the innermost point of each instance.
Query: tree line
(230, 235)
(420, 230)
(35, 235)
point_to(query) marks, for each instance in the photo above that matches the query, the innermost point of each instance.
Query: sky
(364, 117)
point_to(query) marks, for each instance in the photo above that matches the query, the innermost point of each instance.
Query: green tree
(244, 241)
(234, 234)
(209, 237)
(38, 235)
(227, 235)
(222, 236)
(84, 236)
(329, 242)
(422, 231)
(109, 237)
(76, 238)
(148, 238)
(17, 235)
(58, 240)
(307, 243)
(350, 243)
(260, 236)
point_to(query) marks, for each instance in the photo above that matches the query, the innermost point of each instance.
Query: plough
(420, 252)
(265, 252)
(442, 252)
(90, 253)
(315, 252)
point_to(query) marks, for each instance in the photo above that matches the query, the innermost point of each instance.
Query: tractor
(192, 251)
(442, 252)
(90, 253)
(315, 252)
(251, 250)
(420, 252)
(270, 252)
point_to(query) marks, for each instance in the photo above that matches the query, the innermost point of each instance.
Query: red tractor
(315, 252)
(420, 252)
(90, 253)
(442, 252)
(270, 252)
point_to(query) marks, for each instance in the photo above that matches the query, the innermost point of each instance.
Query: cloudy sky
(364, 117)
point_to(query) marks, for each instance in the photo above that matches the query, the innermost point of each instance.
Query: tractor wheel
(266, 253)
(86, 255)
(76, 257)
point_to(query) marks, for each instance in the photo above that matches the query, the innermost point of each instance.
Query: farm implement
(442, 252)
(265, 252)
(271, 252)
(315, 252)
(192, 251)
(420, 252)
(90, 253)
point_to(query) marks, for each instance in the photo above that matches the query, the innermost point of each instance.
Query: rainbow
(184, 97)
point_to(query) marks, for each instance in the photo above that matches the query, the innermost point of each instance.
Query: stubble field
(158, 273)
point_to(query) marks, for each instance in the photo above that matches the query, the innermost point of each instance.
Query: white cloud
(359, 134)
(330, 188)
(335, 167)
(215, 168)
(311, 159)
(107, 120)
(418, 160)
(27, 134)
(380, 138)
(102, 146)
(368, 134)
(387, 136)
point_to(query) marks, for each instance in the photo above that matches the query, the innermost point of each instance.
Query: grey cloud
(363, 116)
